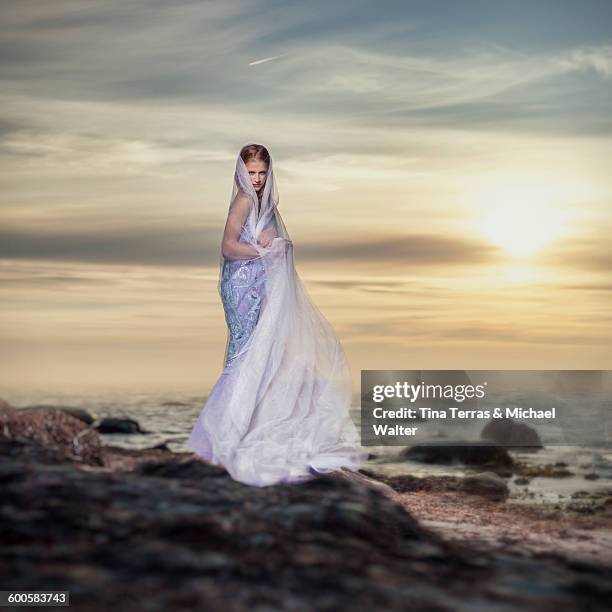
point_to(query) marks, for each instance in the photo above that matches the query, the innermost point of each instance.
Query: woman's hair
(254, 151)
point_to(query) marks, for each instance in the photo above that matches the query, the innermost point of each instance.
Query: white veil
(281, 412)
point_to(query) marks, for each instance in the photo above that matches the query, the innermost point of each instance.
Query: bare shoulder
(241, 204)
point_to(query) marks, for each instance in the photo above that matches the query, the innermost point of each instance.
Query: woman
(279, 412)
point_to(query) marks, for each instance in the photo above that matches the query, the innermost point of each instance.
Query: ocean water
(168, 416)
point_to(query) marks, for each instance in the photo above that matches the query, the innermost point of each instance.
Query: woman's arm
(231, 247)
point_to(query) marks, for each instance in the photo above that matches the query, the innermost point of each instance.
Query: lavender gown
(242, 291)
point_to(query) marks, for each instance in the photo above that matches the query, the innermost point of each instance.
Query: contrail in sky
(265, 59)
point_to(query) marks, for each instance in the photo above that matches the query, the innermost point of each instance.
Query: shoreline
(511, 526)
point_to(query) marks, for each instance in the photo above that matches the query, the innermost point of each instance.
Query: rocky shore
(157, 530)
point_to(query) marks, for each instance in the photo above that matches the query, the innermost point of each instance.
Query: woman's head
(256, 159)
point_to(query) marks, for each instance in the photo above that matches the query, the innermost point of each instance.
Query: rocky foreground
(156, 530)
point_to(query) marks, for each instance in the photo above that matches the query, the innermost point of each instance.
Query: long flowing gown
(279, 412)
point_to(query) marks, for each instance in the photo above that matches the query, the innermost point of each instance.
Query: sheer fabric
(279, 412)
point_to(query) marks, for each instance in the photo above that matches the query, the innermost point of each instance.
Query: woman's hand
(266, 237)
(281, 246)
(278, 246)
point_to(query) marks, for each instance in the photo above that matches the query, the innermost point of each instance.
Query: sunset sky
(443, 170)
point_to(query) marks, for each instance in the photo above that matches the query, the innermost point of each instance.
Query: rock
(120, 459)
(188, 469)
(30, 451)
(521, 480)
(58, 434)
(111, 425)
(580, 494)
(79, 413)
(467, 453)
(161, 446)
(547, 470)
(511, 434)
(486, 484)
(591, 476)
(74, 411)
(362, 479)
(405, 483)
(181, 534)
(5, 406)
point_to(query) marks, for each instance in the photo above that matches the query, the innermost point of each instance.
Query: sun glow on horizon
(526, 213)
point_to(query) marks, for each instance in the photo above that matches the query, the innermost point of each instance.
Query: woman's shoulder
(241, 202)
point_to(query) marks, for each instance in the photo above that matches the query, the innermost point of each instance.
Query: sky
(443, 171)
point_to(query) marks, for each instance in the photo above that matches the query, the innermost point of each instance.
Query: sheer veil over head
(280, 410)
(242, 187)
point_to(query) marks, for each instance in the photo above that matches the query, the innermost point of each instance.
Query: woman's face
(257, 171)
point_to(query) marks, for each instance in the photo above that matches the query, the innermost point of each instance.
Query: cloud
(411, 249)
(520, 334)
(67, 153)
(41, 281)
(589, 255)
(361, 285)
(588, 287)
(195, 245)
(435, 328)
(598, 59)
(154, 246)
(193, 54)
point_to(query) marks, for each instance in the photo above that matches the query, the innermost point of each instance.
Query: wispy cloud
(189, 54)
(598, 59)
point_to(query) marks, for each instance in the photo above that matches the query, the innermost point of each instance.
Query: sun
(522, 216)
(520, 229)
